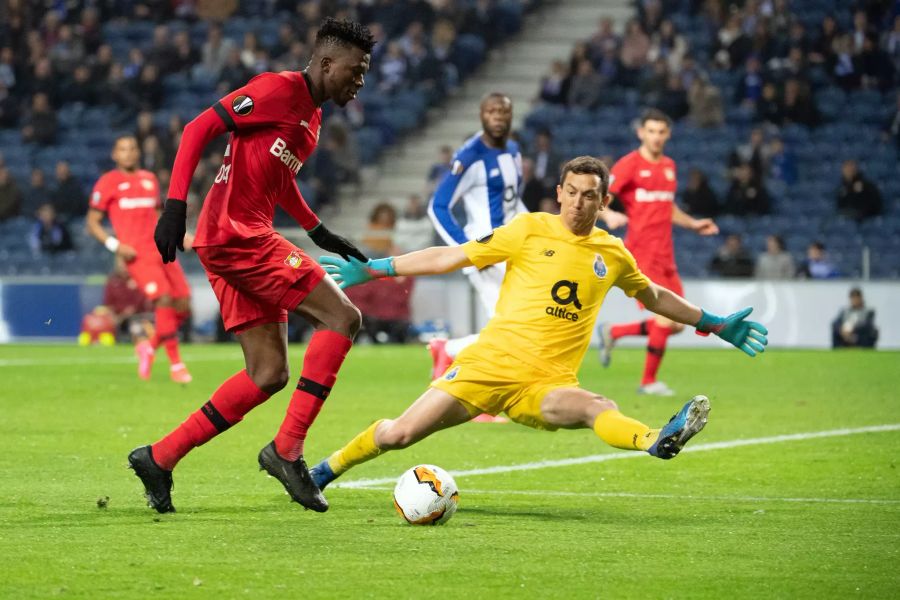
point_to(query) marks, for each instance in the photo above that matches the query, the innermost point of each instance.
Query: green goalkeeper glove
(347, 273)
(747, 336)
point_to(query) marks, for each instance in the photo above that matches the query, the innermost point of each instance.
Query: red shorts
(259, 280)
(157, 279)
(667, 277)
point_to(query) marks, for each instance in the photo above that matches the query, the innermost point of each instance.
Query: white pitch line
(595, 458)
(665, 496)
(99, 359)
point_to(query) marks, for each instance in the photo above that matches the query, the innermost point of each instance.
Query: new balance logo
(547, 252)
(280, 151)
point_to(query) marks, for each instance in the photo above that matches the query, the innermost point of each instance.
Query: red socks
(239, 395)
(167, 332)
(323, 359)
(656, 347)
(228, 405)
(636, 328)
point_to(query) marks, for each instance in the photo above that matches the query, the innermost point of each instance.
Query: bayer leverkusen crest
(294, 259)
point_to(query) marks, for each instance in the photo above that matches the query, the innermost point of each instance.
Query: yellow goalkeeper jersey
(554, 286)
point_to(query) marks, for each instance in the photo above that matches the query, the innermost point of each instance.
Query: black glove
(332, 242)
(170, 229)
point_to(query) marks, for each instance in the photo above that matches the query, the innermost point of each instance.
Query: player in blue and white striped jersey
(486, 176)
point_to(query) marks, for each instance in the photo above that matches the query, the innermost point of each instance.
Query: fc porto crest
(600, 269)
(242, 105)
(294, 259)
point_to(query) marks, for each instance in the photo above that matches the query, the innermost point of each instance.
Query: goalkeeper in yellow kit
(559, 270)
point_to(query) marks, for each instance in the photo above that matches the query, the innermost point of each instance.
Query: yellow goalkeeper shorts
(502, 384)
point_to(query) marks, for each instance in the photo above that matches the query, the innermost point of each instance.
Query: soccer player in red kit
(130, 197)
(256, 274)
(644, 181)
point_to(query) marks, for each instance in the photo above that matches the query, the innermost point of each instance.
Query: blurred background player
(486, 174)
(131, 309)
(130, 197)
(644, 182)
(257, 275)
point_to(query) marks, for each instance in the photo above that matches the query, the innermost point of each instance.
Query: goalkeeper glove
(347, 273)
(332, 242)
(170, 229)
(747, 336)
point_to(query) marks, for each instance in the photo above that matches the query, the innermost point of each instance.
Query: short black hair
(778, 240)
(856, 292)
(123, 136)
(345, 33)
(587, 165)
(494, 95)
(654, 114)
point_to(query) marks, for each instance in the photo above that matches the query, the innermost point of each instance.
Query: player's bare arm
(94, 225)
(613, 218)
(431, 261)
(747, 336)
(668, 304)
(700, 226)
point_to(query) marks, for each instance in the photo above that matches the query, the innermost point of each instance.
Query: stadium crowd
(74, 74)
(801, 98)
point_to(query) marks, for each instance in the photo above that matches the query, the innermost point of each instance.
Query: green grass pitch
(817, 517)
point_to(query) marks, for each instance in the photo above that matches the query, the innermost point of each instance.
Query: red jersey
(131, 200)
(274, 126)
(647, 193)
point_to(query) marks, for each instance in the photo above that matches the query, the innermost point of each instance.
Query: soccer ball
(426, 495)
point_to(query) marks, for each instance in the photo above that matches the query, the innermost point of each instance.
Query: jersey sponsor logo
(294, 260)
(485, 238)
(280, 150)
(547, 252)
(494, 173)
(242, 105)
(642, 195)
(457, 167)
(132, 203)
(600, 269)
(564, 293)
(669, 173)
(451, 374)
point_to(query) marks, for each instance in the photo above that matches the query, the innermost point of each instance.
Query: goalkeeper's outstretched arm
(748, 336)
(668, 304)
(431, 261)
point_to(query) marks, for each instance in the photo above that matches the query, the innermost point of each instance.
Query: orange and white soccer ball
(426, 495)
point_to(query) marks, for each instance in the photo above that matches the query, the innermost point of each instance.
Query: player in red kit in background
(130, 197)
(644, 182)
(256, 274)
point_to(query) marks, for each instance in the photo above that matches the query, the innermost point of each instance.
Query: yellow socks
(357, 451)
(623, 432)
